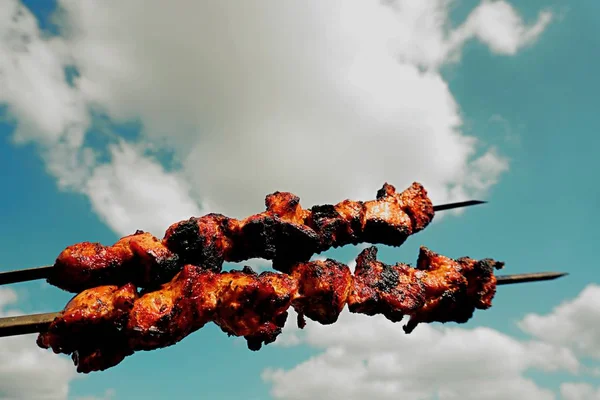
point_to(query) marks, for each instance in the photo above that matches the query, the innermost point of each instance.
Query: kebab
(101, 326)
(285, 233)
(112, 319)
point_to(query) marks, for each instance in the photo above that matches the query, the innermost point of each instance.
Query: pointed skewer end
(461, 204)
(534, 277)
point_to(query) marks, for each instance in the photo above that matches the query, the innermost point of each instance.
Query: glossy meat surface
(205, 241)
(454, 288)
(391, 290)
(285, 233)
(139, 258)
(323, 287)
(163, 317)
(254, 306)
(91, 328)
(439, 289)
(103, 325)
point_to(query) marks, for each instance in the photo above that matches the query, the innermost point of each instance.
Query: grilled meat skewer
(101, 326)
(285, 233)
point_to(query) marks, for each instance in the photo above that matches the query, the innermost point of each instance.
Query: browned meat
(440, 289)
(182, 306)
(453, 288)
(101, 326)
(393, 291)
(323, 287)
(90, 328)
(285, 233)
(139, 258)
(202, 241)
(389, 220)
(254, 306)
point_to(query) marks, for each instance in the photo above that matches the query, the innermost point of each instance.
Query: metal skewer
(533, 277)
(24, 275)
(26, 324)
(461, 204)
(35, 273)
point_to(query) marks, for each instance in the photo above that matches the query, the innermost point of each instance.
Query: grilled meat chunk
(103, 325)
(440, 289)
(139, 258)
(285, 233)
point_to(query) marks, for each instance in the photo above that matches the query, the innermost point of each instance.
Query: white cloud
(579, 391)
(498, 25)
(574, 323)
(255, 106)
(23, 363)
(47, 111)
(364, 356)
(29, 372)
(134, 192)
(325, 99)
(108, 395)
(131, 191)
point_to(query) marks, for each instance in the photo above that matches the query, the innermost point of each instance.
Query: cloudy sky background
(119, 116)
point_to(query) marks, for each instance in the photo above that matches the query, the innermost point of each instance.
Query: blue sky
(531, 100)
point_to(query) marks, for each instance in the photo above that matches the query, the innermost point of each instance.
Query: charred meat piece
(453, 288)
(254, 306)
(92, 328)
(389, 220)
(103, 325)
(163, 317)
(139, 258)
(285, 233)
(278, 234)
(440, 289)
(205, 241)
(323, 287)
(391, 290)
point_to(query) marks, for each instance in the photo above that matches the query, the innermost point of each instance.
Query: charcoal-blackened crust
(267, 334)
(389, 279)
(92, 328)
(166, 269)
(201, 241)
(295, 242)
(486, 266)
(322, 291)
(285, 233)
(380, 231)
(184, 239)
(334, 230)
(366, 257)
(274, 239)
(255, 239)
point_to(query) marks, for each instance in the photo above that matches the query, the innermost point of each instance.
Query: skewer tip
(534, 277)
(460, 204)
